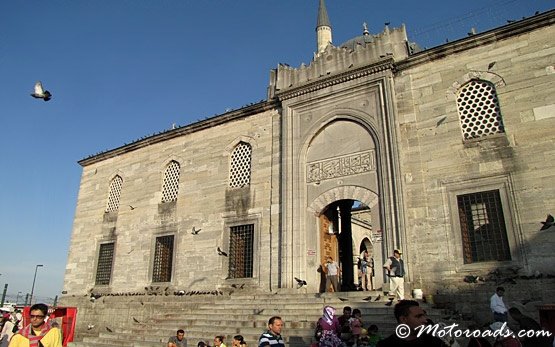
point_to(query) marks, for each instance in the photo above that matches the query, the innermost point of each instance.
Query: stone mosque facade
(445, 153)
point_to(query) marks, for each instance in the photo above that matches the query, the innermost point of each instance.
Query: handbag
(318, 331)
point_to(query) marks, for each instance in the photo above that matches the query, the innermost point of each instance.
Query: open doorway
(346, 230)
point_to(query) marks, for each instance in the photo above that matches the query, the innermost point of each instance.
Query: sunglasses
(36, 316)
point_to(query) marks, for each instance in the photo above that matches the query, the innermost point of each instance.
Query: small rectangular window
(484, 234)
(241, 240)
(105, 261)
(163, 259)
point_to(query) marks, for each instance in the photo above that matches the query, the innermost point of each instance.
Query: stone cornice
(328, 81)
(517, 28)
(181, 131)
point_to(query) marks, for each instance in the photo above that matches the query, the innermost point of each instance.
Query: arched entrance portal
(343, 224)
(328, 166)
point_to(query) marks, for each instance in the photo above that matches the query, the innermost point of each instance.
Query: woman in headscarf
(328, 329)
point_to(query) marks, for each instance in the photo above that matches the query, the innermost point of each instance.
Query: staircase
(149, 321)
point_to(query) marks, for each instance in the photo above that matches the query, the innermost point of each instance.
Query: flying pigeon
(109, 330)
(549, 222)
(195, 231)
(41, 93)
(222, 253)
(135, 320)
(490, 66)
(300, 282)
(90, 326)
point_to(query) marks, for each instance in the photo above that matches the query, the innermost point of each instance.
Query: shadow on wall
(467, 293)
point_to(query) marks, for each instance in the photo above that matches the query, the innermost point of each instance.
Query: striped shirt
(269, 339)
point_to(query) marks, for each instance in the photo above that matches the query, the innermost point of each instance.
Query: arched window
(479, 110)
(240, 167)
(114, 195)
(171, 182)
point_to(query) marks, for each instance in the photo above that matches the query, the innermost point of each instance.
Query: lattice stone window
(484, 235)
(171, 182)
(114, 195)
(163, 259)
(105, 261)
(241, 239)
(240, 171)
(479, 110)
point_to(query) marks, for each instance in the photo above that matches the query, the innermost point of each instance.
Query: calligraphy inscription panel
(347, 165)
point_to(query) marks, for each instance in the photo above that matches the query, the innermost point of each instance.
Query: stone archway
(333, 209)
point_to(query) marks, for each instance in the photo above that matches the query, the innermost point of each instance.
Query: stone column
(346, 245)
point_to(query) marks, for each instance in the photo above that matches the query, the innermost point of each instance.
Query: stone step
(203, 317)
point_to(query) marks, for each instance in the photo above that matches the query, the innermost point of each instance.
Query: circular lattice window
(478, 108)
(240, 171)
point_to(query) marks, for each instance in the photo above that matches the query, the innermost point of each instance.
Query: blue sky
(122, 69)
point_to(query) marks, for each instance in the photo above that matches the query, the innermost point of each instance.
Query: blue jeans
(499, 317)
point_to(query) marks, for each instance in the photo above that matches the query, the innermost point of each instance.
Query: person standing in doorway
(366, 270)
(332, 274)
(396, 271)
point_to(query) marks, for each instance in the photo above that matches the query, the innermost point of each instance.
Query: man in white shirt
(332, 274)
(396, 271)
(498, 306)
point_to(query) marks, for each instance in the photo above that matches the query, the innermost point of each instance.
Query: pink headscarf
(329, 312)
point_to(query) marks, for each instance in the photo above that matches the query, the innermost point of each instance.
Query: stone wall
(204, 202)
(437, 165)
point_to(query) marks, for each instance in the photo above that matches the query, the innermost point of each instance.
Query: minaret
(323, 28)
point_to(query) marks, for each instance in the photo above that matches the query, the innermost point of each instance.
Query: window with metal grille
(115, 192)
(241, 251)
(171, 182)
(479, 110)
(105, 261)
(484, 235)
(240, 170)
(163, 259)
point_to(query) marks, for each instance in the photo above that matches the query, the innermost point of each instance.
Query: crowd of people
(349, 330)
(345, 330)
(271, 337)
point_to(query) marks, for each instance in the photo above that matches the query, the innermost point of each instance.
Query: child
(355, 322)
(373, 336)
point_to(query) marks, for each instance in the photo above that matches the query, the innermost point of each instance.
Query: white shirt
(332, 268)
(496, 304)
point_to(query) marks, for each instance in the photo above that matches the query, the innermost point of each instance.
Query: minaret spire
(323, 28)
